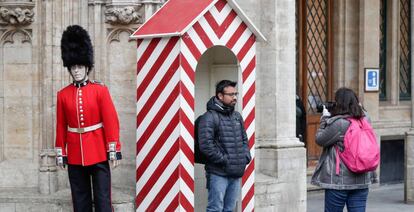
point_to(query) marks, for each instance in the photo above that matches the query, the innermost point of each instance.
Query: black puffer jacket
(229, 154)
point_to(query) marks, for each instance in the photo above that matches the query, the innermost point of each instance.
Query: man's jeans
(223, 192)
(356, 200)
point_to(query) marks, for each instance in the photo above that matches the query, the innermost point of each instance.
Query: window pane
(405, 52)
(383, 46)
(316, 53)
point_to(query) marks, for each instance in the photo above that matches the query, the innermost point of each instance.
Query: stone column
(345, 29)
(281, 169)
(409, 137)
(118, 69)
(47, 176)
(50, 25)
(150, 7)
(393, 46)
(369, 32)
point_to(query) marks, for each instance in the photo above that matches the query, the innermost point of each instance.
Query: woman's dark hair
(347, 103)
(223, 84)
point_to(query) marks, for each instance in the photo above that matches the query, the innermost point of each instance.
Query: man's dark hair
(347, 103)
(224, 84)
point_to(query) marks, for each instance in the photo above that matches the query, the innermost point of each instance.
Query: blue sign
(371, 79)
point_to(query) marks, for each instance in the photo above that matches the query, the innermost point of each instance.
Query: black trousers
(80, 183)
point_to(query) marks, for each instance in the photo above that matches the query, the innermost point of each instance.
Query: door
(314, 65)
(217, 63)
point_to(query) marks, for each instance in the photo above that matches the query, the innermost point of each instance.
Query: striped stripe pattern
(165, 108)
(159, 169)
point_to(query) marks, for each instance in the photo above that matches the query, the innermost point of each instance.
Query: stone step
(31, 200)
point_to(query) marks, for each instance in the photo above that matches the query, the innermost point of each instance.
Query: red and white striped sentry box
(170, 45)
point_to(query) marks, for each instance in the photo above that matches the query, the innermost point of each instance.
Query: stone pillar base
(409, 167)
(281, 179)
(47, 172)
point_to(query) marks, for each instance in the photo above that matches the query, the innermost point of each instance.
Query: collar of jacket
(334, 118)
(224, 108)
(80, 84)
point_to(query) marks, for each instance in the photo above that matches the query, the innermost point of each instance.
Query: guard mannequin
(87, 127)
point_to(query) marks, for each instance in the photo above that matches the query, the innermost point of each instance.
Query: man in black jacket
(300, 120)
(223, 140)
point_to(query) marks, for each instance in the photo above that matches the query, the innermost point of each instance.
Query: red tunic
(79, 107)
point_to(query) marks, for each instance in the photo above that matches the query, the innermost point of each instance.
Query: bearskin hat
(76, 47)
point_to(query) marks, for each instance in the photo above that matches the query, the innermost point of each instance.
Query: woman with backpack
(342, 186)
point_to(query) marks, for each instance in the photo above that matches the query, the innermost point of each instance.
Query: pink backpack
(361, 153)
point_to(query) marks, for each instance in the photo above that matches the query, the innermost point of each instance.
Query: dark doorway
(392, 161)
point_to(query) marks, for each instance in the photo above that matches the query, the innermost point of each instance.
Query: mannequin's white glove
(113, 159)
(60, 159)
(325, 112)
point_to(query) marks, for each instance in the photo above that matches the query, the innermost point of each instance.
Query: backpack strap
(239, 116)
(337, 165)
(216, 120)
(337, 152)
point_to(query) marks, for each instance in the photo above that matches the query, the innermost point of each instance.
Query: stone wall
(20, 102)
(281, 158)
(31, 73)
(409, 138)
(356, 46)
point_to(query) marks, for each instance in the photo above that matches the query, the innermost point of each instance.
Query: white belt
(85, 129)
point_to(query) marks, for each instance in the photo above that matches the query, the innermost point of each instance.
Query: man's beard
(231, 105)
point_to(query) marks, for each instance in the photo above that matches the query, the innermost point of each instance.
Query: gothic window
(405, 51)
(395, 50)
(383, 47)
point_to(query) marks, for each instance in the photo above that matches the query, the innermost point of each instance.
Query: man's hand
(325, 112)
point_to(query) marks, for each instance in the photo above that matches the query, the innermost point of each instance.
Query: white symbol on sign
(374, 79)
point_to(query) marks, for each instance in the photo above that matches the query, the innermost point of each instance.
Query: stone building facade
(31, 73)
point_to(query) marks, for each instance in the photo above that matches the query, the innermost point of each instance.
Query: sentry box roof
(177, 16)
